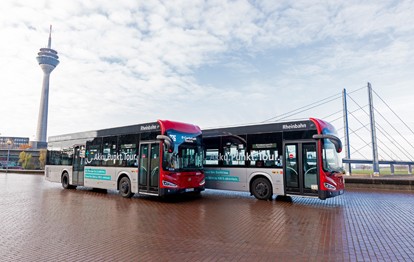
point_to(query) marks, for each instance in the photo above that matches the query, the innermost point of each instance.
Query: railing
(391, 163)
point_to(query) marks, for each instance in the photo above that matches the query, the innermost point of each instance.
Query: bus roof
(178, 126)
(300, 125)
(160, 125)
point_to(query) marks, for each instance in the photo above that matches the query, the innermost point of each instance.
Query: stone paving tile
(40, 221)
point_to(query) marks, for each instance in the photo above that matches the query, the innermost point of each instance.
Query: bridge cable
(398, 132)
(311, 106)
(302, 109)
(365, 126)
(392, 140)
(379, 128)
(394, 112)
(332, 115)
(356, 151)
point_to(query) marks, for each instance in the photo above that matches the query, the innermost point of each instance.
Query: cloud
(207, 62)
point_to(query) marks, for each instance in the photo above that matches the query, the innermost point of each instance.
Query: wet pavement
(40, 221)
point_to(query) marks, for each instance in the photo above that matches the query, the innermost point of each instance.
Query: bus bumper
(324, 194)
(172, 191)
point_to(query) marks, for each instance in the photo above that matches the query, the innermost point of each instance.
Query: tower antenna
(49, 44)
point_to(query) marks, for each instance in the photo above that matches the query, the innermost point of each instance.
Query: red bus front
(181, 158)
(331, 181)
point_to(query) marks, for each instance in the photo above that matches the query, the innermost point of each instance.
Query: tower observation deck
(48, 60)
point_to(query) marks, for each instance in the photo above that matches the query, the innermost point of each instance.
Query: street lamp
(9, 142)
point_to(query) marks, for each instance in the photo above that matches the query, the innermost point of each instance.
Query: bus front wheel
(125, 187)
(262, 189)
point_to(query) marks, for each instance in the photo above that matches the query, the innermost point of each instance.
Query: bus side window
(67, 156)
(54, 157)
(128, 156)
(260, 163)
(211, 156)
(234, 149)
(233, 154)
(59, 154)
(264, 149)
(93, 152)
(109, 150)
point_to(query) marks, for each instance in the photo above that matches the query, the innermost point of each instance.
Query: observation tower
(48, 60)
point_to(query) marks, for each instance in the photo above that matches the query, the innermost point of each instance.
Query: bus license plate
(189, 190)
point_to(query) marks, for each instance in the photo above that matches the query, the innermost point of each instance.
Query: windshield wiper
(336, 173)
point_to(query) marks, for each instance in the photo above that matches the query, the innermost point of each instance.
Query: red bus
(297, 158)
(159, 158)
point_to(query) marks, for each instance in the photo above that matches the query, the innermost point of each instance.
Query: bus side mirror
(334, 140)
(168, 143)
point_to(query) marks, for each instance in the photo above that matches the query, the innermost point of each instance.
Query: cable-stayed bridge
(372, 132)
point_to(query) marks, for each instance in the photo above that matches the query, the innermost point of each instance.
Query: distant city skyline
(210, 63)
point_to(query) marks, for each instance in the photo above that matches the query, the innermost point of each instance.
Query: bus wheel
(125, 187)
(262, 189)
(65, 181)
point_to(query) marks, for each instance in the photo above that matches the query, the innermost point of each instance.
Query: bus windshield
(187, 153)
(331, 159)
(189, 157)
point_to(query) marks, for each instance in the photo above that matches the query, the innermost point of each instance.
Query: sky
(211, 63)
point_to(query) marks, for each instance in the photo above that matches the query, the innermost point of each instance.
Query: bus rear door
(149, 168)
(78, 165)
(300, 168)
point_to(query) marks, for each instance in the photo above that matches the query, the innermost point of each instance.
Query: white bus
(159, 158)
(293, 158)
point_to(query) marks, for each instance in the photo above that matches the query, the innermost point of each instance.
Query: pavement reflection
(43, 222)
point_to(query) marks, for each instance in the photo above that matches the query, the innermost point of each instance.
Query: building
(15, 142)
(10, 149)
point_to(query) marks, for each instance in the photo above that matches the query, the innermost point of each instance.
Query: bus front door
(300, 168)
(149, 168)
(78, 165)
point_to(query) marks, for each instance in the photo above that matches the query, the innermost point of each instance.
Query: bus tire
(65, 181)
(262, 189)
(125, 187)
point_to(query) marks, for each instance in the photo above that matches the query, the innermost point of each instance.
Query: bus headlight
(168, 184)
(202, 182)
(329, 186)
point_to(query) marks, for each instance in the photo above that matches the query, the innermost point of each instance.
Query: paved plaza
(40, 221)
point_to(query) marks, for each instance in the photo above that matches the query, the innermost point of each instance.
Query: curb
(22, 172)
(389, 183)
